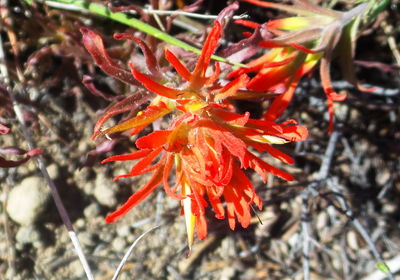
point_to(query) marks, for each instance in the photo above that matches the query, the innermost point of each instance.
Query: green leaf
(383, 267)
(377, 8)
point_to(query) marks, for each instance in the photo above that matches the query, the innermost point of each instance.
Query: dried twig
(334, 186)
(305, 232)
(311, 191)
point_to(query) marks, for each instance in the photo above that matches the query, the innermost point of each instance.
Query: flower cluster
(300, 43)
(208, 145)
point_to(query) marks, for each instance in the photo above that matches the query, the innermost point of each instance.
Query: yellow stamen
(190, 219)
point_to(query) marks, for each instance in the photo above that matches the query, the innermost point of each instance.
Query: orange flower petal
(232, 118)
(201, 227)
(167, 169)
(153, 140)
(132, 156)
(210, 80)
(331, 95)
(232, 87)
(264, 147)
(247, 23)
(154, 86)
(281, 102)
(230, 207)
(294, 133)
(262, 168)
(216, 203)
(179, 67)
(147, 116)
(139, 167)
(137, 197)
(198, 74)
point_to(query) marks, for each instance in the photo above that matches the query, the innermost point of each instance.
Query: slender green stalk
(377, 7)
(123, 18)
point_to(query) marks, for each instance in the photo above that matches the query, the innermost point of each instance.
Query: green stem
(123, 18)
(378, 8)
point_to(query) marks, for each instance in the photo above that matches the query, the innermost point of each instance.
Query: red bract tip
(247, 23)
(4, 129)
(94, 44)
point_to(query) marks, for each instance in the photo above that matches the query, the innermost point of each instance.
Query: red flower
(300, 43)
(206, 145)
(209, 155)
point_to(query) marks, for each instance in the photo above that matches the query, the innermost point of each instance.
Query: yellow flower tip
(289, 23)
(191, 106)
(190, 220)
(270, 139)
(274, 139)
(298, 23)
(196, 107)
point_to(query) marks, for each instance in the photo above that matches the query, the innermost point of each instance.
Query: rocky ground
(339, 218)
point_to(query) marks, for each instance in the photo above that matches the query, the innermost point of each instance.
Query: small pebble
(119, 244)
(383, 177)
(294, 239)
(389, 208)
(80, 223)
(228, 273)
(104, 191)
(322, 221)
(86, 239)
(107, 237)
(27, 235)
(27, 201)
(351, 238)
(76, 270)
(92, 210)
(123, 230)
(53, 171)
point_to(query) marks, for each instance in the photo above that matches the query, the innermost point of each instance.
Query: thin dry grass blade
(129, 252)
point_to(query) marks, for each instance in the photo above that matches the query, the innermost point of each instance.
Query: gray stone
(86, 239)
(228, 273)
(76, 270)
(28, 200)
(105, 191)
(53, 171)
(80, 223)
(106, 237)
(119, 244)
(27, 235)
(123, 230)
(92, 210)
